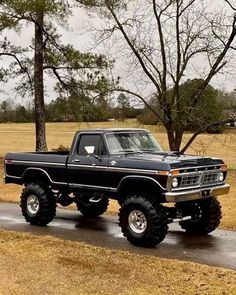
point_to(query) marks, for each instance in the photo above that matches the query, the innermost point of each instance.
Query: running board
(176, 220)
(95, 200)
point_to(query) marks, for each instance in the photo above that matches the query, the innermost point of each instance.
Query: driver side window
(91, 142)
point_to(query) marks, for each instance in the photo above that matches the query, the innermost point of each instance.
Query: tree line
(218, 105)
(71, 109)
(214, 106)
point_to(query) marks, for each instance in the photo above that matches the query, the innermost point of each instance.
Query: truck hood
(164, 161)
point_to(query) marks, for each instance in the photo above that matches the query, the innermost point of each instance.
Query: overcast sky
(82, 42)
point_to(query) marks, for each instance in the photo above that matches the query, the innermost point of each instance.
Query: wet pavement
(217, 249)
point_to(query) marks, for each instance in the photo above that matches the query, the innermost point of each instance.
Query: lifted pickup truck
(127, 165)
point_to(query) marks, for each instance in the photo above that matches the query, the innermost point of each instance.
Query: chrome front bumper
(197, 194)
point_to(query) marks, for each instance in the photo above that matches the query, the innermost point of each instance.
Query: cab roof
(109, 130)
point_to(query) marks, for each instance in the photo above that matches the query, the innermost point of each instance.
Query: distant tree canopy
(208, 109)
(73, 108)
(77, 109)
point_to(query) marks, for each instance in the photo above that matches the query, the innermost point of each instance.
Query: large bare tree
(165, 42)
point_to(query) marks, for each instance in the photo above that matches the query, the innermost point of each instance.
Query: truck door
(88, 165)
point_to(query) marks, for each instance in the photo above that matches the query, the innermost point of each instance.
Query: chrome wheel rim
(137, 221)
(33, 204)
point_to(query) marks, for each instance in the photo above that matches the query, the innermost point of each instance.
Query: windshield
(132, 143)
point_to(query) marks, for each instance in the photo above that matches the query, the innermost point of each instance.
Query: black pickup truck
(127, 165)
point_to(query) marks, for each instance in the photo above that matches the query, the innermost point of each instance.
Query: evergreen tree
(49, 55)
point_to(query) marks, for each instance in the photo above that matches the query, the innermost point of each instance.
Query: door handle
(76, 161)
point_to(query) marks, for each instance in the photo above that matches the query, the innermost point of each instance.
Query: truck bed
(53, 163)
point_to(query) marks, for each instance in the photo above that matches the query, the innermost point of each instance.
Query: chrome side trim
(77, 185)
(114, 169)
(190, 195)
(117, 169)
(38, 169)
(37, 163)
(141, 177)
(16, 177)
(87, 166)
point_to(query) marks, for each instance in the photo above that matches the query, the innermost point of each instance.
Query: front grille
(190, 180)
(200, 178)
(210, 177)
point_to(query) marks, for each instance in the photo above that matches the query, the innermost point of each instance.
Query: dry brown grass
(45, 265)
(20, 137)
(228, 203)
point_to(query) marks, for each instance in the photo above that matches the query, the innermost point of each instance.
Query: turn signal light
(165, 173)
(168, 173)
(223, 167)
(175, 172)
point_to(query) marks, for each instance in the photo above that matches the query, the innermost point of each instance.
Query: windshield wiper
(133, 152)
(150, 151)
(130, 151)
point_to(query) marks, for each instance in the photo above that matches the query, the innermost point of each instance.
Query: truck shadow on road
(103, 228)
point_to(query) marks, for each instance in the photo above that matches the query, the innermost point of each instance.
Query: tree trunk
(174, 138)
(178, 138)
(171, 138)
(40, 127)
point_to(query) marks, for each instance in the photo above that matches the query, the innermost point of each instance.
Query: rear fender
(36, 175)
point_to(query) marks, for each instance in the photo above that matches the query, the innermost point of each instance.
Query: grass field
(20, 137)
(45, 265)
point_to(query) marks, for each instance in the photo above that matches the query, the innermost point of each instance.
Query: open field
(63, 267)
(20, 137)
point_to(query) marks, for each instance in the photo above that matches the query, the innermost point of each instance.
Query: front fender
(141, 184)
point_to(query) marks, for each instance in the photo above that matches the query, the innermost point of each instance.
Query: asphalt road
(217, 249)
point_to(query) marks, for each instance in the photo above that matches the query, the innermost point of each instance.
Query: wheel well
(140, 186)
(36, 176)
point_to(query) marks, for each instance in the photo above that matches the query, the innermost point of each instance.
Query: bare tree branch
(163, 53)
(203, 129)
(131, 45)
(186, 7)
(23, 68)
(216, 66)
(142, 99)
(231, 5)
